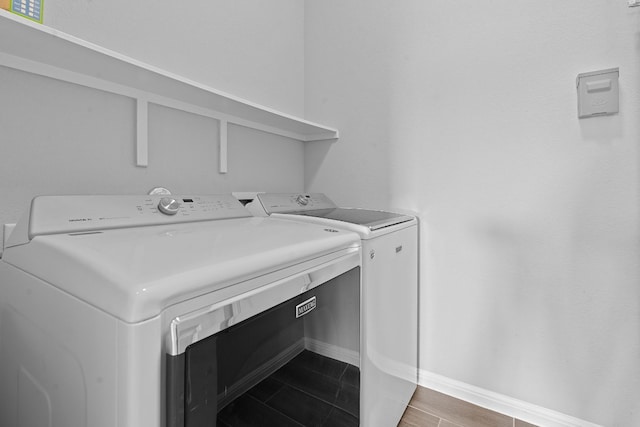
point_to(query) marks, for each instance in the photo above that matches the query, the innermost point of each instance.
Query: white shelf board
(38, 49)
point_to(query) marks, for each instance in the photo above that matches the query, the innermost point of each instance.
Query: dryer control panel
(294, 202)
(78, 214)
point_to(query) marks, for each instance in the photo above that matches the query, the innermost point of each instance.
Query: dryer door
(308, 346)
(192, 384)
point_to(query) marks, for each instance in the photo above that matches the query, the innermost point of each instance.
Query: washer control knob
(168, 206)
(302, 200)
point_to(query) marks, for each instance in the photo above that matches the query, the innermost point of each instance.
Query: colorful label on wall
(31, 9)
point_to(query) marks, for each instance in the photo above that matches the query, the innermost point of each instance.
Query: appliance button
(168, 206)
(302, 200)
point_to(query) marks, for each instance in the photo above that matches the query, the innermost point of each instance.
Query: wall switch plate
(598, 93)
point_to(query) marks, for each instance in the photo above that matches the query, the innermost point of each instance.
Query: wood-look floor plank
(520, 423)
(457, 411)
(413, 417)
(445, 423)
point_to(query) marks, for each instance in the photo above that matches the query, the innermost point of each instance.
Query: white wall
(253, 49)
(60, 138)
(466, 113)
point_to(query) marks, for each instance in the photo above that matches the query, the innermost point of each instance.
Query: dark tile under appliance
(311, 390)
(265, 390)
(351, 376)
(247, 411)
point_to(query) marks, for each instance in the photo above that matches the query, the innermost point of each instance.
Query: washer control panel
(70, 214)
(294, 202)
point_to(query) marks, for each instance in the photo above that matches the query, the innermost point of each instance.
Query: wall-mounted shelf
(41, 50)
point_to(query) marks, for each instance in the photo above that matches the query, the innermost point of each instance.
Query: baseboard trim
(263, 371)
(499, 403)
(333, 351)
(260, 373)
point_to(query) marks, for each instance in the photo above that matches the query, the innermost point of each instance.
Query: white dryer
(113, 308)
(389, 294)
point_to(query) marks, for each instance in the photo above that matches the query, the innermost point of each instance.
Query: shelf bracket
(142, 130)
(223, 146)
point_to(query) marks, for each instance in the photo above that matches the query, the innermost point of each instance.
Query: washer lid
(318, 205)
(374, 220)
(135, 273)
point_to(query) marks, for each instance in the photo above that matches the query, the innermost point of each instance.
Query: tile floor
(311, 390)
(428, 408)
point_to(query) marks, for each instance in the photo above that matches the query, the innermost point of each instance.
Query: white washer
(110, 305)
(389, 294)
